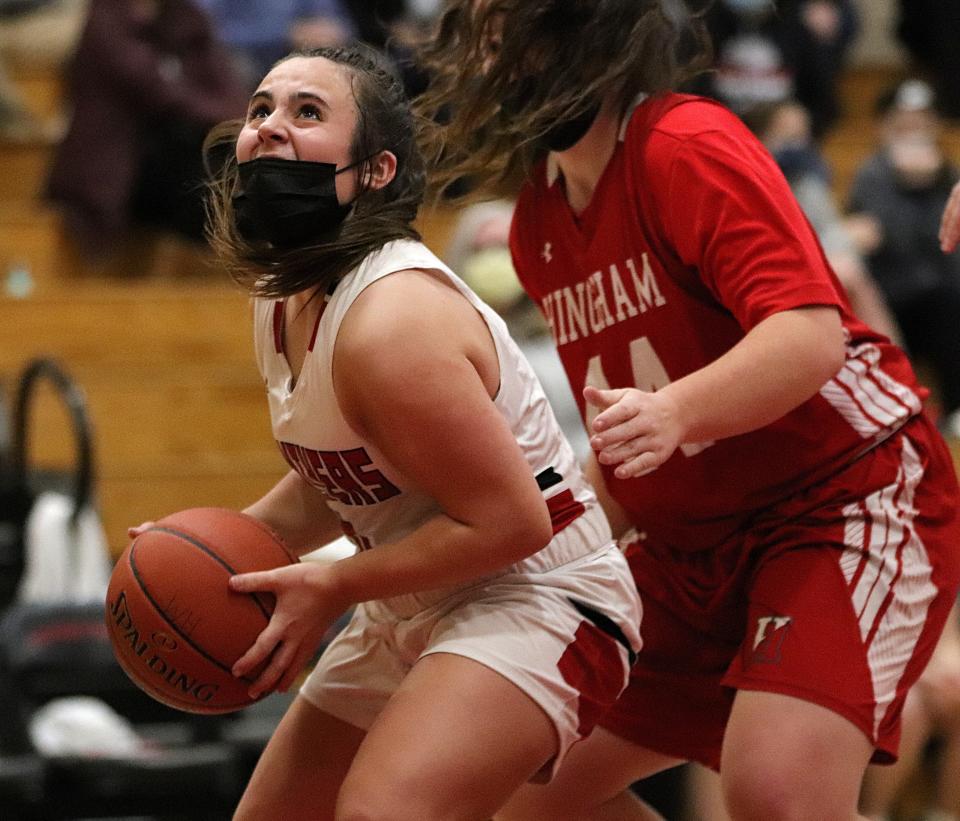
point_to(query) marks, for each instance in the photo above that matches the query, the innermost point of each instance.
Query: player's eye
(309, 111)
(258, 111)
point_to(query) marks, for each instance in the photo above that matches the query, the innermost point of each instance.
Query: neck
(303, 303)
(583, 164)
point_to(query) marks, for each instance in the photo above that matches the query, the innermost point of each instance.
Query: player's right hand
(637, 431)
(306, 605)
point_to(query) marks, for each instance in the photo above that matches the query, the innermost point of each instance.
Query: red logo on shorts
(771, 631)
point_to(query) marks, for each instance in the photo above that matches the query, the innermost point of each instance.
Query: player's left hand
(143, 527)
(306, 607)
(635, 430)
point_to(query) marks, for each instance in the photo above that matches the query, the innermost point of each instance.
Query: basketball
(175, 625)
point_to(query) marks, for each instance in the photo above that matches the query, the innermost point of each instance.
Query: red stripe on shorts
(564, 509)
(593, 666)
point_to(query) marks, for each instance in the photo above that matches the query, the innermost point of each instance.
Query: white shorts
(566, 637)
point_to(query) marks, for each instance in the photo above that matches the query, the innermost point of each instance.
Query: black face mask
(563, 134)
(567, 133)
(289, 202)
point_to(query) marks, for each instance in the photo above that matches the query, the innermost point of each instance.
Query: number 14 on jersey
(648, 375)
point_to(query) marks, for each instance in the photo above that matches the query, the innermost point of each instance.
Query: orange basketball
(175, 625)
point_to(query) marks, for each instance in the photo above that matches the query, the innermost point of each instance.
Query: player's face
(304, 109)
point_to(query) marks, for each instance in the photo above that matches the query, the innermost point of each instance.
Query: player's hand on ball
(306, 607)
(635, 430)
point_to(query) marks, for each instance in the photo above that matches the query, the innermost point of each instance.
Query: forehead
(315, 75)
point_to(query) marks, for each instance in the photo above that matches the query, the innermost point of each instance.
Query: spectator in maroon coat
(768, 52)
(147, 81)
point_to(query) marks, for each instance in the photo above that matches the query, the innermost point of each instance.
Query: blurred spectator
(260, 32)
(375, 19)
(931, 715)
(767, 52)
(784, 128)
(17, 123)
(896, 203)
(395, 27)
(146, 83)
(36, 35)
(930, 30)
(479, 253)
(379, 21)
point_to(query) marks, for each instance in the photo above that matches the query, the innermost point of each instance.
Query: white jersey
(374, 502)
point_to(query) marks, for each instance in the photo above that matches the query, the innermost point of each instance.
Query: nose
(272, 129)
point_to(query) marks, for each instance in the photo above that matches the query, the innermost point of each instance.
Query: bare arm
(428, 369)
(619, 520)
(299, 513)
(441, 429)
(779, 364)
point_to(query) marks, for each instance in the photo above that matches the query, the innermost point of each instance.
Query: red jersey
(692, 237)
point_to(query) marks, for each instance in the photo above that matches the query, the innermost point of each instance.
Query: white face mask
(489, 272)
(917, 159)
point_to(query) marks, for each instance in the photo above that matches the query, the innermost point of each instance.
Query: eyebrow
(300, 95)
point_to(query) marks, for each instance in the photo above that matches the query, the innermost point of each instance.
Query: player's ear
(381, 170)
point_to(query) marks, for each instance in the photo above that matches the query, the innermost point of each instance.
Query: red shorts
(836, 596)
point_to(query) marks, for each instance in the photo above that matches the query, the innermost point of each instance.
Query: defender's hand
(635, 430)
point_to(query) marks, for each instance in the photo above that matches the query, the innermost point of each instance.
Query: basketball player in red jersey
(495, 618)
(793, 511)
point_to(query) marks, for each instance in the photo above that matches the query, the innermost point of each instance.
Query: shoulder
(404, 336)
(406, 313)
(692, 145)
(663, 127)
(396, 255)
(681, 116)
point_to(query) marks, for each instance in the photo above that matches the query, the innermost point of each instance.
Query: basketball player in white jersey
(495, 619)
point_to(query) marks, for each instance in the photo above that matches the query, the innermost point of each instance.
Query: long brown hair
(571, 53)
(384, 122)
